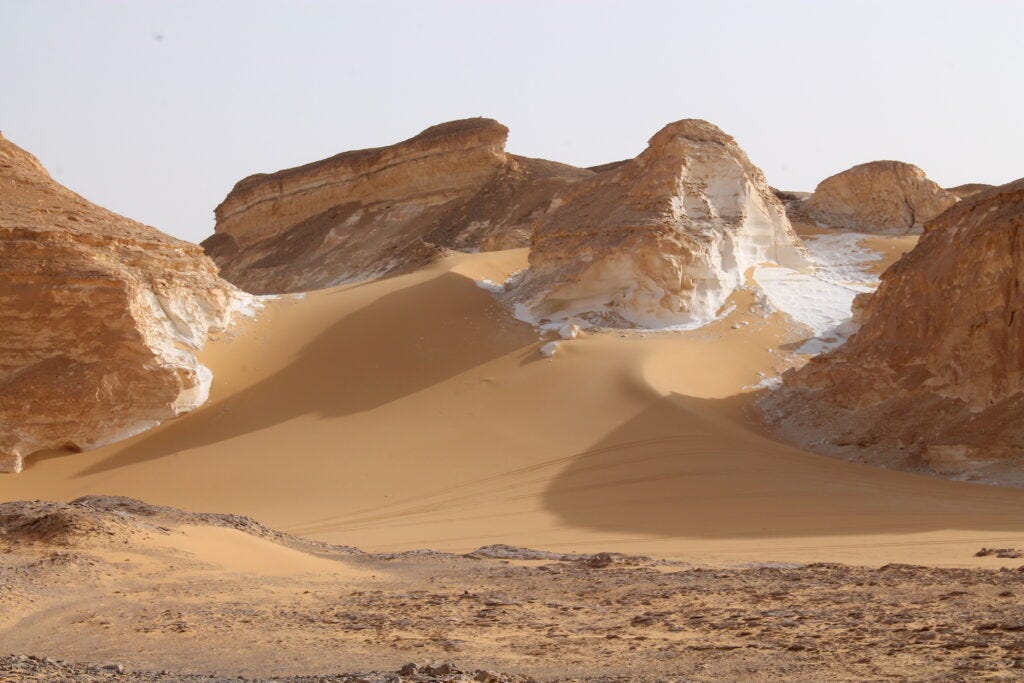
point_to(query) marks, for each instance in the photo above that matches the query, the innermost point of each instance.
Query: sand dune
(414, 412)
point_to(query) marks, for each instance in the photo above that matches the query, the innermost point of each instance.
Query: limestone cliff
(370, 212)
(889, 197)
(662, 239)
(100, 318)
(935, 375)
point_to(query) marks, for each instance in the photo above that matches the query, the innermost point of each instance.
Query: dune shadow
(401, 343)
(703, 468)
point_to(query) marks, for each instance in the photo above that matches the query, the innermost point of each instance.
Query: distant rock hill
(969, 189)
(371, 212)
(658, 240)
(935, 375)
(889, 197)
(100, 318)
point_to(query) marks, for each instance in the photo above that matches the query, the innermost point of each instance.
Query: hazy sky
(155, 109)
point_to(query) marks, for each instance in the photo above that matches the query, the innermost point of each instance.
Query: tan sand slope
(414, 412)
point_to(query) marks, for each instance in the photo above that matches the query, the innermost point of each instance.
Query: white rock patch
(549, 349)
(822, 299)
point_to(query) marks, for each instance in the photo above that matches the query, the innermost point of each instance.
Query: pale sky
(155, 109)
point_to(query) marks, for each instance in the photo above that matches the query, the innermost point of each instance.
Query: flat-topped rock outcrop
(367, 213)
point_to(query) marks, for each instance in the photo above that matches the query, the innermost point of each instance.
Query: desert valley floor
(414, 412)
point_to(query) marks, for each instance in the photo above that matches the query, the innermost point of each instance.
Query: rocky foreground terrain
(147, 608)
(101, 318)
(934, 378)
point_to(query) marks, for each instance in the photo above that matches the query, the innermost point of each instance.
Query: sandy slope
(413, 412)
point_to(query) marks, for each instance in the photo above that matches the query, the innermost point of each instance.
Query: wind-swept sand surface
(414, 412)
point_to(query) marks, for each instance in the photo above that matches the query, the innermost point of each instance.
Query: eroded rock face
(889, 197)
(662, 239)
(935, 375)
(370, 212)
(100, 318)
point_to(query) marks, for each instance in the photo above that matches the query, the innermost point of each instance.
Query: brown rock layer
(662, 239)
(100, 318)
(935, 375)
(969, 189)
(371, 212)
(880, 196)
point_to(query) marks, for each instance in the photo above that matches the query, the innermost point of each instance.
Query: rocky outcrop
(663, 239)
(935, 375)
(371, 212)
(889, 197)
(100, 318)
(968, 189)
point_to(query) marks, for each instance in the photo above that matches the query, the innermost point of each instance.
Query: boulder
(887, 197)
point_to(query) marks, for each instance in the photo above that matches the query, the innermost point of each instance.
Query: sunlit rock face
(659, 240)
(100, 318)
(935, 375)
(887, 197)
(371, 212)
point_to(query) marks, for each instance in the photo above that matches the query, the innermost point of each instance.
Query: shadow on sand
(399, 344)
(690, 467)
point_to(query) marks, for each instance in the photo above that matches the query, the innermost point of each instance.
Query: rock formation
(935, 375)
(371, 212)
(662, 239)
(888, 197)
(100, 318)
(969, 189)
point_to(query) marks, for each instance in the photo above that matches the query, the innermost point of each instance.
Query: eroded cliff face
(660, 240)
(888, 197)
(100, 318)
(370, 212)
(935, 375)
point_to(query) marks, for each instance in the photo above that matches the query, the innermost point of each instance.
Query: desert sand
(162, 595)
(415, 412)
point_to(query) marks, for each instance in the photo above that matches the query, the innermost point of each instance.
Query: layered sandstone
(662, 239)
(935, 375)
(370, 212)
(889, 197)
(100, 318)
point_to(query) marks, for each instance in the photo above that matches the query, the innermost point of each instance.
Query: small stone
(599, 561)
(443, 669)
